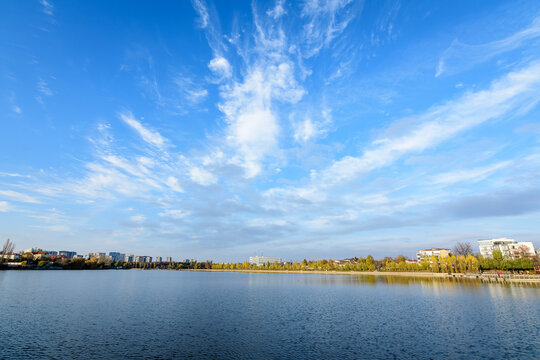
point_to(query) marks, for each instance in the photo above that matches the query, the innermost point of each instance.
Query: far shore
(491, 277)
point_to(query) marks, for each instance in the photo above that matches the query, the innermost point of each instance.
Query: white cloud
(461, 56)
(138, 218)
(48, 8)
(174, 213)
(443, 122)
(307, 130)
(278, 10)
(57, 228)
(221, 67)
(20, 197)
(4, 206)
(513, 92)
(202, 11)
(151, 137)
(43, 87)
(253, 126)
(202, 176)
(16, 109)
(190, 91)
(472, 175)
(326, 20)
(174, 184)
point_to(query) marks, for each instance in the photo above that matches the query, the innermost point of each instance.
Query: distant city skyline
(214, 130)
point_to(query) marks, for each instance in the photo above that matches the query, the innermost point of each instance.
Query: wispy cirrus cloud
(43, 88)
(47, 7)
(325, 21)
(152, 137)
(515, 91)
(469, 175)
(460, 56)
(19, 197)
(202, 10)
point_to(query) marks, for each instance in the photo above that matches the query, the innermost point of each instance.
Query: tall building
(68, 254)
(263, 260)
(129, 258)
(117, 256)
(438, 252)
(159, 259)
(168, 259)
(98, 255)
(508, 247)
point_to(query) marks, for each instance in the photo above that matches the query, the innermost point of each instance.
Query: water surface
(177, 314)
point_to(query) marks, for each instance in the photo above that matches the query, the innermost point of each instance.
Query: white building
(168, 259)
(438, 252)
(263, 260)
(508, 247)
(129, 258)
(159, 259)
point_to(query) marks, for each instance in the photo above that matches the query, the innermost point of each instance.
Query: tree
(7, 250)
(462, 249)
(522, 251)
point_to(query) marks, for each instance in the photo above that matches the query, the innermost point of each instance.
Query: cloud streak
(151, 137)
(459, 56)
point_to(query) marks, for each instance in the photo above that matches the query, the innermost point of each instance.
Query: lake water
(175, 314)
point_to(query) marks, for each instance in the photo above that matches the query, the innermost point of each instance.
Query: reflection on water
(468, 284)
(174, 314)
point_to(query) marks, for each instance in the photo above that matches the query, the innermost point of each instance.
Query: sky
(302, 129)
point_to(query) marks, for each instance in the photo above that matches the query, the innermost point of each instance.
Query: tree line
(462, 262)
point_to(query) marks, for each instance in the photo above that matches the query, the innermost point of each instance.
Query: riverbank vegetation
(450, 264)
(465, 262)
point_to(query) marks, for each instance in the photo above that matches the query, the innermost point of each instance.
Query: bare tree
(462, 249)
(522, 251)
(7, 250)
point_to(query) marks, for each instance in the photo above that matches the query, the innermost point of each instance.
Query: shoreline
(485, 277)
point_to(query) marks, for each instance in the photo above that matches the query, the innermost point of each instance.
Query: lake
(131, 314)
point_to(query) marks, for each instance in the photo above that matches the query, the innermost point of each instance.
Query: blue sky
(303, 129)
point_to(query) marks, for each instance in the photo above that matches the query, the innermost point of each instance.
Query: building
(508, 247)
(32, 250)
(68, 254)
(263, 260)
(129, 258)
(143, 259)
(116, 256)
(50, 252)
(37, 255)
(438, 252)
(168, 259)
(159, 259)
(98, 255)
